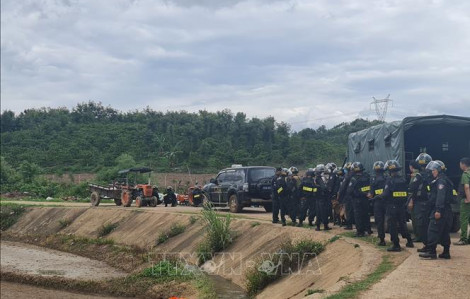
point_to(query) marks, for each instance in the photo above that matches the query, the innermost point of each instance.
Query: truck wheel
(234, 204)
(118, 201)
(153, 201)
(455, 223)
(138, 202)
(126, 198)
(268, 207)
(95, 198)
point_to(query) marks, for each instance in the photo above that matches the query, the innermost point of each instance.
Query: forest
(94, 138)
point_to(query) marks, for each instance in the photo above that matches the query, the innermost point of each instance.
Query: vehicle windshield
(260, 173)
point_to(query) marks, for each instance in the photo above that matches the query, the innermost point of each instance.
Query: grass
(174, 230)
(218, 234)
(334, 239)
(352, 290)
(289, 258)
(311, 292)
(374, 240)
(106, 229)
(192, 219)
(9, 215)
(254, 224)
(64, 222)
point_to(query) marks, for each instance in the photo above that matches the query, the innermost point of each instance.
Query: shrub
(106, 229)
(218, 234)
(174, 230)
(9, 215)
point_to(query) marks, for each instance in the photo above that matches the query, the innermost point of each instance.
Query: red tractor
(124, 192)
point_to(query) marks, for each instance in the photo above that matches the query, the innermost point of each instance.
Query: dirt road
(419, 278)
(30, 259)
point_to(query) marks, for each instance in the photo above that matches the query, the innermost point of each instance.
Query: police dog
(339, 213)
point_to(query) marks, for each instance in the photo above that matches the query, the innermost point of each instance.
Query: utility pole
(381, 107)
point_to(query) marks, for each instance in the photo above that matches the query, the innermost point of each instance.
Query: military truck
(444, 137)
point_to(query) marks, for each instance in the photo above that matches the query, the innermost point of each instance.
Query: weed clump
(174, 230)
(218, 234)
(289, 258)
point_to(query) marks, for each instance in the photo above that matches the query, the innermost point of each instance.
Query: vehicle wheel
(268, 207)
(95, 198)
(139, 202)
(118, 201)
(234, 204)
(153, 201)
(126, 198)
(455, 223)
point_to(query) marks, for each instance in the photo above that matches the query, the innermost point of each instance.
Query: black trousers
(284, 207)
(294, 207)
(396, 213)
(380, 210)
(275, 208)
(321, 206)
(349, 212)
(439, 230)
(361, 214)
(421, 210)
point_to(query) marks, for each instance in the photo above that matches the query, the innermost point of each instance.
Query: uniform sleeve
(465, 178)
(441, 196)
(414, 185)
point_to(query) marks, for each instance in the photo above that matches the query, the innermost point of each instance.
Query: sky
(308, 63)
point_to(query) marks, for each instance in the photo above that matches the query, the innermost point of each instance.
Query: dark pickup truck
(241, 186)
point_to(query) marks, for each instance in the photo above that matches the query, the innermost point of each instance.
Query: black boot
(382, 242)
(300, 224)
(310, 223)
(318, 228)
(410, 244)
(431, 254)
(445, 254)
(348, 227)
(394, 248)
(326, 227)
(424, 249)
(284, 223)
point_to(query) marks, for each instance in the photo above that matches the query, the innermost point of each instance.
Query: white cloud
(304, 62)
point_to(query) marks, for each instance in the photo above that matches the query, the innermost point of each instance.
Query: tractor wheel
(126, 198)
(234, 204)
(95, 198)
(139, 202)
(118, 201)
(153, 201)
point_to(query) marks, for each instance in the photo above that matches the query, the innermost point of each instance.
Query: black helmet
(310, 172)
(423, 159)
(379, 166)
(392, 165)
(294, 170)
(436, 164)
(357, 167)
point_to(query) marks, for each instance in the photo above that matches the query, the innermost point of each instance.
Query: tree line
(91, 137)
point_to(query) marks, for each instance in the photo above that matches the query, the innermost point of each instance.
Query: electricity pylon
(381, 107)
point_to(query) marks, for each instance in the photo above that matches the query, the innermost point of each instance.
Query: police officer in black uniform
(321, 199)
(294, 183)
(169, 198)
(395, 193)
(345, 198)
(441, 213)
(307, 192)
(377, 184)
(358, 189)
(283, 194)
(275, 196)
(418, 196)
